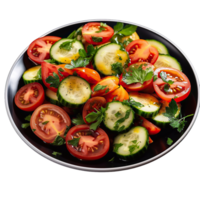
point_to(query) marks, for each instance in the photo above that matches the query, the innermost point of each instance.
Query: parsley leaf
(116, 147)
(99, 87)
(66, 131)
(155, 77)
(78, 120)
(117, 114)
(58, 141)
(46, 122)
(97, 39)
(128, 30)
(28, 118)
(33, 130)
(117, 68)
(82, 53)
(56, 153)
(71, 35)
(166, 87)
(39, 75)
(25, 125)
(133, 147)
(126, 42)
(66, 45)
(169, 141)
(137, 75)
(112, 159)
(163, 75)
(54, 80)
(103, 24)
(100, 29)
(172, 109)
(118, 27)
(135, 103)
(74, 142)
(52, 61)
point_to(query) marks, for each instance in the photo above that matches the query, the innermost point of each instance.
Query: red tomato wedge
(150, 140)
(142, 51)
(90, 75)
(109, 85)
(136, 86)
(96, 34)
(92, 145)
(38, 50)
(93, 104)
(178, 91)
(120, 94)
(48, 70)
(152, 129)
(48, 121)
(29, 97)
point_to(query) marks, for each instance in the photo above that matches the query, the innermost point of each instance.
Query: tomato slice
(92, 145)
(29, 97)
(142, 51)
(150, 140)
(90, 75)
(92, 34)
(93, 104)
(109, 82)
(178, 91)
(136, 86)
(120, 94)
(38, 50)
(48, 121)
(48, 69)
(152, 129)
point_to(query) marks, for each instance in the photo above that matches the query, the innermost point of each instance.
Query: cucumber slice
(32, 75)
(52, 97)
(115, 111)
(133, 144)
(65, 56)
(167, 61)
(162, 120)
(151, 105)
(73, 91)
(162, 49)
(108, 55)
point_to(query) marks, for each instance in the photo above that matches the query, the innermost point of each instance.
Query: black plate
(156, 150)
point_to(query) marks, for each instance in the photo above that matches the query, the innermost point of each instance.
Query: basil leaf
(58, 141)
(117, 68)
(25, 125)
(74, 142)
(78, 120)
(128, 30)
(97, 39)
(118, 27)
(71, 35)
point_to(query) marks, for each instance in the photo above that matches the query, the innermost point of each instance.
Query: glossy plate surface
(157, 149)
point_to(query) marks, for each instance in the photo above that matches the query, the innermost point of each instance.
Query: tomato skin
(90, 75)
(89, 31)
(152, 129)
(136, 86)
(49, 138)
(43, 47)
(140, 50)
(185, 83)
(120, 94)
(48, 69)
(110, 82)
(85, 155)
(94, 102)
(36, 101)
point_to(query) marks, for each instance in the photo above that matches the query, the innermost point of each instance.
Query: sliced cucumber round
(108, 55)
(52, 97)
(146, 105)
(167, 61)
(132, 144)
(60, 54)
(162, 120)
(162, 49)
(118, 117)
(73, 91)
(32, 75)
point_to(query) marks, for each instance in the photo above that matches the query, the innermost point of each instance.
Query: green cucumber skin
(156, 41)
(136, 155)
(145, 114)
(32, 81)
(52, 101)
(67, 104)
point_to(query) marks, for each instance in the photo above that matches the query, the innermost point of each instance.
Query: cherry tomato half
(38, 50)
(29, 97)
(178, 91)
(93, 104)
(94, 34)
(142, 51)
(92, 145)
(48, 121)
(48, 69)
(90, 75)
(136, 86)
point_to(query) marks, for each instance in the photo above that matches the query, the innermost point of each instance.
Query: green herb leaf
(135, 103)
(99, 87)
(39, 75)
(128, 41)
(25, 125)
(54, 80)
(118, 27)
(155, 77)
(100, 30)
(52, 61)
(169, 141)
(78, 120)
(82, 53)
(103, 24)
(80, 62)
(71, 35)
(121, 128)
(74, 142)
(112, 159)
(66, 131)
(134, 146)
(172, 109)
(58, 141)
(46, 122)
(163, 75)
(117, 68)
(91, 50)
(166, 87)
(56, 153)
(128, 30)
(117, 114)
(28, 118)
(116, 147)
(66, 45)
(61, 70)
(33, 130)
(97, 39)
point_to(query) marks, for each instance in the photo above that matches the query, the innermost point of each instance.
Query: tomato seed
(101, 142)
